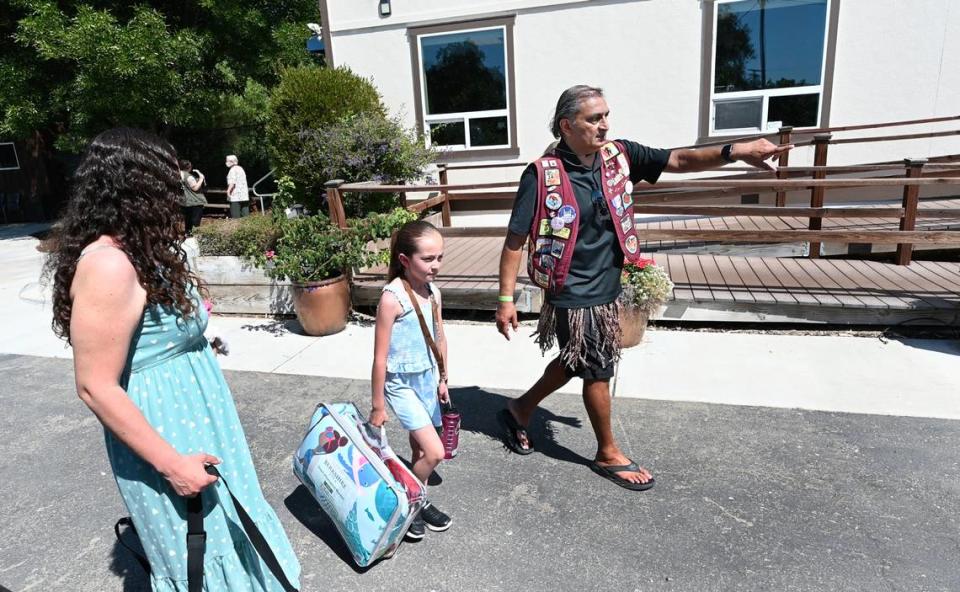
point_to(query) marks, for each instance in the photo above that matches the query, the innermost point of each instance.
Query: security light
(384, 8)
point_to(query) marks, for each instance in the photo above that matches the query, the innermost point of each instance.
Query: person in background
(193, 200)
(237, 193)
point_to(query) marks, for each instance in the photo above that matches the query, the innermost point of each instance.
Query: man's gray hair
(569, 104)
(232, 158)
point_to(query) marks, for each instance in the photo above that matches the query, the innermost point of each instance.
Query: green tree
(734, 48)
(461, 81)
(197, 73)
(311, 98)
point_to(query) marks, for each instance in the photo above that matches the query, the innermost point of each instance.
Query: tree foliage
(72, 68)
(363, 147)
(734, 49)
(311, 98)
(461, 81)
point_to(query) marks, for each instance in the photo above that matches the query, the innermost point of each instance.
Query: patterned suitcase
(358, 480)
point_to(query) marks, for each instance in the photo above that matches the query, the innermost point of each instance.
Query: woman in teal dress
(127, 303)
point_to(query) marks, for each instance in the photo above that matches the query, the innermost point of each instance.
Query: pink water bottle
(450, 434)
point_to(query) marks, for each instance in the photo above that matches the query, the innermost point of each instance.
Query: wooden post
(403, 196)
(911, 198)
(782, 162)
(445, 206)
(335, 202)
(820, 142)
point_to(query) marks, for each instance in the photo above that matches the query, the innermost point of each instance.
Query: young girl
(404, 371)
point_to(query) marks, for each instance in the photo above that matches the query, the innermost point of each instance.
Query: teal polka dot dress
(175, 380)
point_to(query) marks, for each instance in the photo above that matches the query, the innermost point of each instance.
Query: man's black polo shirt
(594, 277)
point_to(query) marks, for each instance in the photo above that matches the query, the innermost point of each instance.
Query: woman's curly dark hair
(127, 187)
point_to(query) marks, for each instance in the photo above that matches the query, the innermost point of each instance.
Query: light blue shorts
(413, 398)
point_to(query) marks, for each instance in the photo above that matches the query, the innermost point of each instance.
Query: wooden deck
(729, 288)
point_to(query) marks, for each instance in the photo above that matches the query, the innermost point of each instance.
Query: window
(768, 64)
(465, 86)
(8, 157)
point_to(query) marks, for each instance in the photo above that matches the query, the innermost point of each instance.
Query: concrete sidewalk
(909, 377)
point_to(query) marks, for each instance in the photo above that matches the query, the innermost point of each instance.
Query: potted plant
(316, 257)
(646, 286)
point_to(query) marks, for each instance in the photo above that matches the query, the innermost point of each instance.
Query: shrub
(288, 193)
(362, 147)
(242, 237)
(310, 97)
(312, 249)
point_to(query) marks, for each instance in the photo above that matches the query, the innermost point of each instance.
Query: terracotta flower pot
(322, 307)
(633, 324)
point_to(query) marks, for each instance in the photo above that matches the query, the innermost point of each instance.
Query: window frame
(16, 157)
(424, 120)
(708, 95)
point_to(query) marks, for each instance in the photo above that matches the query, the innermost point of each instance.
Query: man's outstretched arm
(755, 153)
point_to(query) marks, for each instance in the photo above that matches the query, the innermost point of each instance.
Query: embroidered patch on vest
(609, 150)
(553, 201)
(616, 179)
(551, 177)
(618, 205)
(568, 214)
(547, 229)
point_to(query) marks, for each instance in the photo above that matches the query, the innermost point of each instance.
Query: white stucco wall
(894, 60)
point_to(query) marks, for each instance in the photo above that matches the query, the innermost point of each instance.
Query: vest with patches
(553, 234)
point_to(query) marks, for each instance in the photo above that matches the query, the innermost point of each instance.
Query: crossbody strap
(256, 537)
(431, 344)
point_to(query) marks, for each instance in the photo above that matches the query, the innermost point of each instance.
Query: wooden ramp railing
(904, 237)
(909, 176)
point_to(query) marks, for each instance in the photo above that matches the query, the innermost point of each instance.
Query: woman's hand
(378, 417)
(443, 392)
(188, 475)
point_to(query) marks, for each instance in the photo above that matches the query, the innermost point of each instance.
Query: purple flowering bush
(362, 147)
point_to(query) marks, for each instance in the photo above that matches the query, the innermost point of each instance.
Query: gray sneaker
(416, 530)
(436, 520)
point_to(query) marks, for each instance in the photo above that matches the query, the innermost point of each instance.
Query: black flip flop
(610, 472)
(512, 430)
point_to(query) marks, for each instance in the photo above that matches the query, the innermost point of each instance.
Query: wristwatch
(725, 153)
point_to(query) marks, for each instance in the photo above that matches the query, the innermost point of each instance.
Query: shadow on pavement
(479, 409)
(306, 509)
(276, 328)
(125, 565)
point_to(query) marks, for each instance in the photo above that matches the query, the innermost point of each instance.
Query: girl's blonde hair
(405, 241)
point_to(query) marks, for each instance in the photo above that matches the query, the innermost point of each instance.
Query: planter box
(239, 287)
